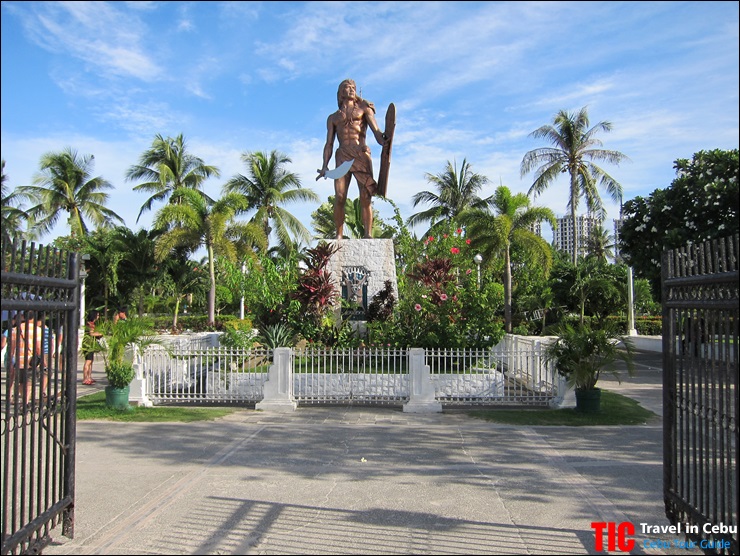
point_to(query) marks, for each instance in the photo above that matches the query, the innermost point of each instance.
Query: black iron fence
(40, 314)
(700, 387)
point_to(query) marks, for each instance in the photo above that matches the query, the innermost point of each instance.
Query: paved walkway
(354, 480)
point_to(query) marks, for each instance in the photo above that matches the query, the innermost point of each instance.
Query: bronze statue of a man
(349, 125)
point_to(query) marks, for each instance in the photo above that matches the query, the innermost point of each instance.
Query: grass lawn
(93, 407)
(615, 410)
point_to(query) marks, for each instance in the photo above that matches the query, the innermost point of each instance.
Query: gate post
(421, 388)
(278, 390)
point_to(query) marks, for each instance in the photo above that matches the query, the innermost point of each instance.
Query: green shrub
(120, 374)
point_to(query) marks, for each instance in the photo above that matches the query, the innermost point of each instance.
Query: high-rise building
(563, 235)
(617, 228)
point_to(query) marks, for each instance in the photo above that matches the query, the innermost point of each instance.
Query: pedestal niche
(359, 270)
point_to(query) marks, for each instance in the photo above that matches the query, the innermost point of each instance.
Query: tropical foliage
(13, 215)
(700, 204)
(457, 191)
(266, 188)
(65, 186)
(167, 166)
(444, 296)
(582, 352)
(574, 152)
(194, 221)
(512, 223)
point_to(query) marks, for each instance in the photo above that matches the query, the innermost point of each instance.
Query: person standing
(90, 346)
(349, 125)
(24, 353)
(121, 314)
(47, 343)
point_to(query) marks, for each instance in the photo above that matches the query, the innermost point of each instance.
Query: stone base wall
(375, 255)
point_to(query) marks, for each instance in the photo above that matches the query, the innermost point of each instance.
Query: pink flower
(468, 271)
(443, 297)
(459, 231)
(445, 236)
(430, 238)
(417, 307)
(454, 250)
(467, 241)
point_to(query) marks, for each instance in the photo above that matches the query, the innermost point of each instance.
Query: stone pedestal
(363, 266)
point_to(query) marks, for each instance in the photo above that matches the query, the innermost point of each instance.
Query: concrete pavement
(353, 480)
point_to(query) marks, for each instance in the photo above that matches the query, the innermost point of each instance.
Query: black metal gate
(700, 388)
(40, 302)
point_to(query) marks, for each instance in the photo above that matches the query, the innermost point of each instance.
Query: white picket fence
(513, 373)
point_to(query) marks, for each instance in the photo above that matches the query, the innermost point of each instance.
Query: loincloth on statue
(362, 167)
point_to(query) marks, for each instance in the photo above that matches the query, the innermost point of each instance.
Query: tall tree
(13, 215)
(457, 191)
(600, 243)
(575, 149)
(106, 252)
(64, 185)
(267, 187)
(510, 223)
(194, 221)
(138, 266)
(167, 166)
(699, 205)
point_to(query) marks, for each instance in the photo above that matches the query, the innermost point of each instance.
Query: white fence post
(137, 389)
(278, 389)
(421, 389)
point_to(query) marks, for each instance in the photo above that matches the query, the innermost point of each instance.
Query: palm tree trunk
(212, 292)
(573, 203)
(177, 310)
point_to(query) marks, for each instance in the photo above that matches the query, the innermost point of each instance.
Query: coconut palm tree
(575, 150)
(64, 185)
(600, 243)
(457, 191)
(193, 221)
(138, 266)
(13, 215)
(106, 252)
(266, 188)
(494, 233)
(167, 166)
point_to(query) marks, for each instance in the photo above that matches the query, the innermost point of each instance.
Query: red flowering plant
(440, 303)
(315, 291)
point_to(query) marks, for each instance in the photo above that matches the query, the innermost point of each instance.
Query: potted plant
(119, 371)
(581, 353)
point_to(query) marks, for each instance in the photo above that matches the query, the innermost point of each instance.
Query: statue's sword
(339, 171)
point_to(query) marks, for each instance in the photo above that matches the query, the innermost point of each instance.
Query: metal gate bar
(700, 387)
(38, 434)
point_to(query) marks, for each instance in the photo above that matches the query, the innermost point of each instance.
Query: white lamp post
(631, 330)
(478, 260)
(241, 305)
(83, 275)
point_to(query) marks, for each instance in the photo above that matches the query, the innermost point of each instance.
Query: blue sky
(470, 80)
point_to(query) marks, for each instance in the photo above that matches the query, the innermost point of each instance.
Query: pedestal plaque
(360, 268)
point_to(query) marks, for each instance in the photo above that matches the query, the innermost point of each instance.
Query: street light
(241, 304)
(631, 330)
(478, 260)
(83, 275)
